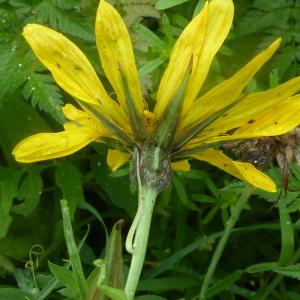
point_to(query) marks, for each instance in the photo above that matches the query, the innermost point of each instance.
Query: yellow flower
(182, 124)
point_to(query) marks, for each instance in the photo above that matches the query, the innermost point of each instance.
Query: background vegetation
(191, 214)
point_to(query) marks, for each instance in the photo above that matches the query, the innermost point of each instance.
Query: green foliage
(19, 67)
(190, 215)
(70, 180)
(268, 20)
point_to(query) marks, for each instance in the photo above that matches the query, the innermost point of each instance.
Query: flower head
(182, 124)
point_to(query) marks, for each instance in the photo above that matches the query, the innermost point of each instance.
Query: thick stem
(236, 211)
(287, 234)
(147, 196)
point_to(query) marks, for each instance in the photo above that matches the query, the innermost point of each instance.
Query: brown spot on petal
(78, 68)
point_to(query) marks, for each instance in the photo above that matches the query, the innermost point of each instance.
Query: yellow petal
(80, 117)
(115, 50)
(182, 165)
(198, 44)
(227, 91)
(71, 69)
(74, 114)
(244, 171)
(277, 120)
(219, 20)
(44, 146)
(115, 159)
(187, 46)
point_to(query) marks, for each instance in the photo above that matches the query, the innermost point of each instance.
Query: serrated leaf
(67, 21)
(63, 275)
(66, 4)
(42, 91)
(70, 180)
(256, 20)
(136, 10)
(12, 76)
(289, 271)
(271, 5)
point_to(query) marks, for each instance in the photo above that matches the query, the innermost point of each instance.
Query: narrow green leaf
(64, 275)
(262, 267)
(73, 252)
(164, 4)
(114, 259)
(88, 207)
(203, 242)
(110, 271)
(151, 66)
(182, 194)
(210, 215)
(199, 7)
(223, 284)
(274, 78)
(149, 36)
(112, 293)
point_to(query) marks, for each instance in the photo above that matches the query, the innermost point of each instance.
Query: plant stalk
(235, 213)
(73, 252)
(147, 197)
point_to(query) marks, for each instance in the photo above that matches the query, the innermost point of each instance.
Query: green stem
(73, 252)
(147, 196)
(287, 234)
(236, 211)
